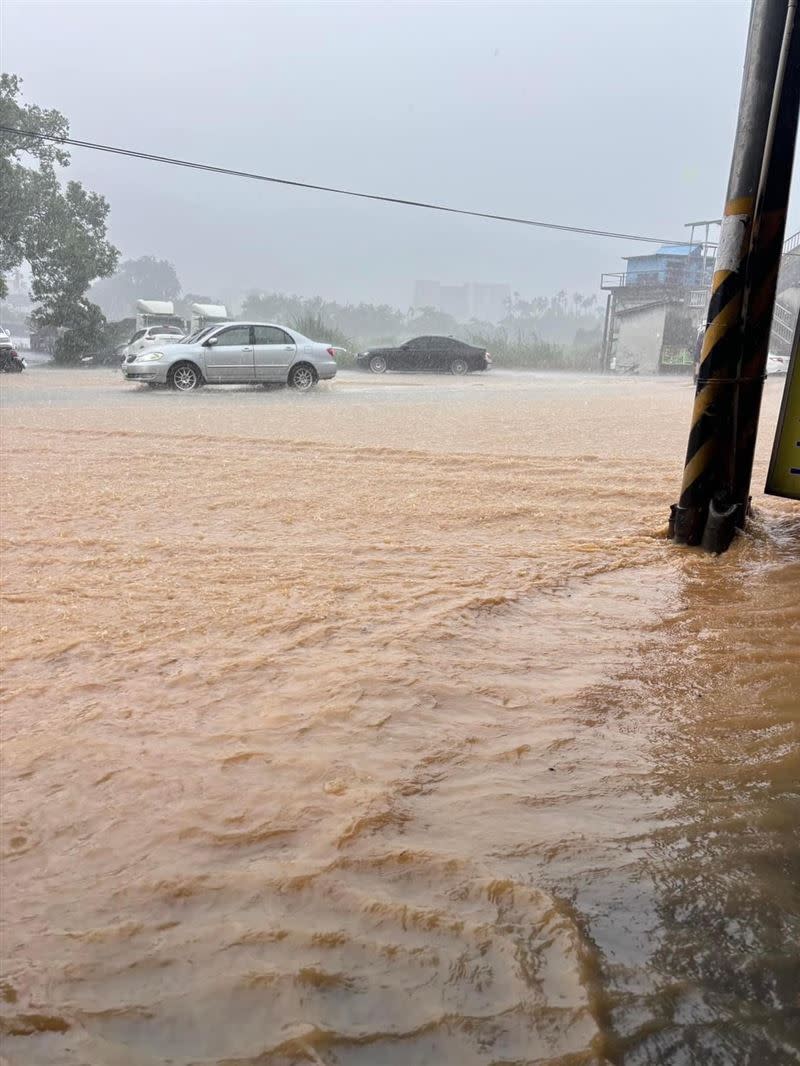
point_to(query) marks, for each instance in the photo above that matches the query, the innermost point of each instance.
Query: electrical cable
(129, 152)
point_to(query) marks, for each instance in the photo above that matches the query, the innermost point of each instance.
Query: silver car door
(274, 353)
(230, 360)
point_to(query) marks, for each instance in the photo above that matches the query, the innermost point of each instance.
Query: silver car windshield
(195, 337)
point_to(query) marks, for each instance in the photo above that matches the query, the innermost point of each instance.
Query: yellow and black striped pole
(708, 510)
(766, 252)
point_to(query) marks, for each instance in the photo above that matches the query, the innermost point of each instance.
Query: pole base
(721, 526)
(712, 529)
(686, 524)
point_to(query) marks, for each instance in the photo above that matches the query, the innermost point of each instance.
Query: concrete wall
(639, 337)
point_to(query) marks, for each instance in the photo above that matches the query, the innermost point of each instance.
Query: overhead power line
(131, 153)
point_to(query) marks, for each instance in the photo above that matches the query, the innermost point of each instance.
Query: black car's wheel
(458, 366)
(378, 364)
(185, 377)
(302, 377)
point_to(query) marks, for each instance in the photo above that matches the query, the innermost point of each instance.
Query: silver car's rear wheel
(459, 366)
(302, 377)
(377, 364)
(185, 378)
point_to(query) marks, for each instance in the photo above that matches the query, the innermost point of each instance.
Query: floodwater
(383, 727)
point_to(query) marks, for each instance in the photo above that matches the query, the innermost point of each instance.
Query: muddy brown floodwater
(383, 727)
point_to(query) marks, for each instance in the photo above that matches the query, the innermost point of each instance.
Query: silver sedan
(236, 353)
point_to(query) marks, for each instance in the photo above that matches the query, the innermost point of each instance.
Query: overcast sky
(611, 115)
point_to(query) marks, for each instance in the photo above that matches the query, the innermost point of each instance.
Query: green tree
(429, 320)
(67, 250)
(24, 188)
(183, 306)
(146, 278)
(274, 306)
(60, 232)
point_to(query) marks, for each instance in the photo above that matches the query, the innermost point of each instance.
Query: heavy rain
(365, 702)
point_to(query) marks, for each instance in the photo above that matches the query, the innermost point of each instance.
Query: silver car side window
(233, 337)
(271, 335)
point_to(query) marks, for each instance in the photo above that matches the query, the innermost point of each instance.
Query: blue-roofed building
(655, 308)
(657, 305)
(673, 265)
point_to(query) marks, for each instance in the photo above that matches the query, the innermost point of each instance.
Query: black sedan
(443, 354)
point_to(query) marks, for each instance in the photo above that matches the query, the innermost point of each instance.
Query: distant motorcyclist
(11, 362)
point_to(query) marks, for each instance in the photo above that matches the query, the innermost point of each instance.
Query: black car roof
(440, 337)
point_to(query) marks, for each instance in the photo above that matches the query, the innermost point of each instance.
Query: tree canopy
(146, 278)
(59, 231)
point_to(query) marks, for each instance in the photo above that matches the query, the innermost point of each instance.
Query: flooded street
(382, 726)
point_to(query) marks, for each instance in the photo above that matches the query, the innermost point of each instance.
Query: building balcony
(656, 279)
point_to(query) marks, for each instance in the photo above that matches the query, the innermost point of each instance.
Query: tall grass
(530, 352)
(527, 339)
(312, 325)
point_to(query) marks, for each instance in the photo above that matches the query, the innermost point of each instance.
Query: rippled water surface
(383, 727)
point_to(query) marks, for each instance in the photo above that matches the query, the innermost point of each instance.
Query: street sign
(783, 478)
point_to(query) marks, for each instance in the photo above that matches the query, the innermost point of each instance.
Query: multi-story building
(490, 301)
(455, 300)
(427, 294)
(654, 309)
(487, 302)
(657, 304)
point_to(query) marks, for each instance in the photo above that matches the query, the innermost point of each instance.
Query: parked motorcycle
(11, 362)
(623, 368)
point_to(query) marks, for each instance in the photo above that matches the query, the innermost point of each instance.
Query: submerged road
(383, 725)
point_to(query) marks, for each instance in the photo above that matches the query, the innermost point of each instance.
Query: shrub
(312, 325)
(84, 336)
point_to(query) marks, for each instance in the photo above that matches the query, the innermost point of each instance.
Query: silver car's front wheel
(377, 364)
(185, 378)
(302, 378)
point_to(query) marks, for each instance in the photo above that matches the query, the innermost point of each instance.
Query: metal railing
(656, 279)
(611, 281)
(783, 318)
(783, 321)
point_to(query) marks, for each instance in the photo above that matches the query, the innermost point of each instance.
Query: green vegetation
(59, 232)
(558, 333)
(311, 324)
(144, 278)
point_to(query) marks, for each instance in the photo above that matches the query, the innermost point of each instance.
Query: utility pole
(716, 478)
(706, 223)
(604, 348)
(767, 246)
